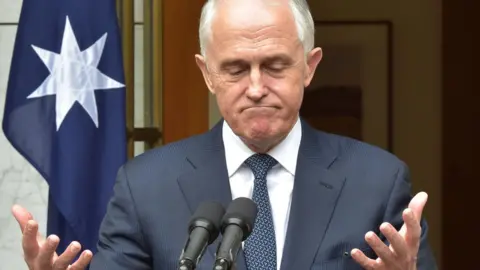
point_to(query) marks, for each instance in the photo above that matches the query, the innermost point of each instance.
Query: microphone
(237, 225)
(203, 229)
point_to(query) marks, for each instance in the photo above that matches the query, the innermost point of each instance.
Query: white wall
(19, 182)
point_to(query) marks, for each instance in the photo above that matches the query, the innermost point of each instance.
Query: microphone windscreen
(243, 209)
(208, 215)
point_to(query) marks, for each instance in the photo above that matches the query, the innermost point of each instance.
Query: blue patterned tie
(260, 248)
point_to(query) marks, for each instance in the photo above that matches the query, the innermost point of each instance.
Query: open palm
(40, 253)
(404, 244)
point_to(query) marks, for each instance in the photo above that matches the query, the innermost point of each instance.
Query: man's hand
(40, 253)
(404, 244)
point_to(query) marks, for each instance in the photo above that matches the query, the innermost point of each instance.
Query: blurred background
(397, 74)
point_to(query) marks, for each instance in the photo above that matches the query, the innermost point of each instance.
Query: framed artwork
(351, 92)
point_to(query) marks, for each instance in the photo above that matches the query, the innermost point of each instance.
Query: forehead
(253, 26)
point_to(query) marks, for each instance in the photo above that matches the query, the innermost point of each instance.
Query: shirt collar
(236, 152)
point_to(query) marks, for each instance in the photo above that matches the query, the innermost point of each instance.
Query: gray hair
(301, 13)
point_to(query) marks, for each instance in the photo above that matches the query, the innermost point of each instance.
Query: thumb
(22, 216)
(417, 204)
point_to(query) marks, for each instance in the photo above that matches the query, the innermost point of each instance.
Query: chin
(261, 130)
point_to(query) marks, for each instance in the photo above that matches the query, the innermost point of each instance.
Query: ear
(202, 64)
(313, 58)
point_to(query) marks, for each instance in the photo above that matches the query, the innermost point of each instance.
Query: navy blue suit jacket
(343, 189)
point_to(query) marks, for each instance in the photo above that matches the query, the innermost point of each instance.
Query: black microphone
(203, 229)
(237, 225)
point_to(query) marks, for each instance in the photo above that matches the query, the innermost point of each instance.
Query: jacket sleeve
(121, 243)
(399, 199)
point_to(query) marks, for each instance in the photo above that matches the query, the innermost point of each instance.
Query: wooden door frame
(173, 83)
(185, 95)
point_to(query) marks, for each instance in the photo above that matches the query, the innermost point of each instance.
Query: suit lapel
(315, 194)
(206, 179)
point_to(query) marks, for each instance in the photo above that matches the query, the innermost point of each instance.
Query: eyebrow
(229, 63)
(235, 62)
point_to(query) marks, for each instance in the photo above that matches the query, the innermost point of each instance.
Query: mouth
(260, 108)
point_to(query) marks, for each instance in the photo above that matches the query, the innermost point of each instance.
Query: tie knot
(260, 164)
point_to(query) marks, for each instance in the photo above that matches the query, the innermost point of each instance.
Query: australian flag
(65, 109)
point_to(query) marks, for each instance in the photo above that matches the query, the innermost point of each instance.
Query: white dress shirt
(279, 179)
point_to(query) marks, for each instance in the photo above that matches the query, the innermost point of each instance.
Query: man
(325, 201)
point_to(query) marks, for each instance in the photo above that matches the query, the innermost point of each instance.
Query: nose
(256, 89)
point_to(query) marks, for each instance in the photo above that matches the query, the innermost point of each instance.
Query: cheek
(228, 97)
(288, 92)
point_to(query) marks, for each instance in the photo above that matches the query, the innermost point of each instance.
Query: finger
(413, 229)
(380, 248)
(46, 253)
(22, 216)
(417, 204)
(30, 244)
(83, 261)
(362, 259)
(397, 242)
(67, 257)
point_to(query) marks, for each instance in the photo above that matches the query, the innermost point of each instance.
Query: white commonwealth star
(73, 76)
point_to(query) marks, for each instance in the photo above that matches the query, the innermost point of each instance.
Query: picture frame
(352, 91)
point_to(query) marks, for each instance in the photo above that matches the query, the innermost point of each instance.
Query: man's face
(255, 65)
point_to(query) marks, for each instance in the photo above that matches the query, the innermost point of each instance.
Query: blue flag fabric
(65, 109)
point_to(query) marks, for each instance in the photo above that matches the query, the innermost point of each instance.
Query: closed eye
(276, 68)
(235, 72)
(277, 63)
(233, 66)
